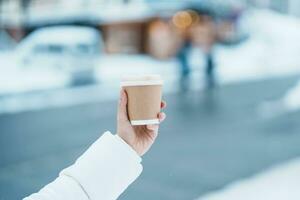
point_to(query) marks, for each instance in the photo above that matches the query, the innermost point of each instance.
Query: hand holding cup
(139, 137)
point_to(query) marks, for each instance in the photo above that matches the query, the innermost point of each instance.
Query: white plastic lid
(135, 80)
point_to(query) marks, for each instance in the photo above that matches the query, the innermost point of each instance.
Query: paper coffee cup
(144, 98)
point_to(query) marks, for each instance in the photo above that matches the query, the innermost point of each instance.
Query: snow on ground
(56, 98)
(15, 80)
(271, 50)
(18, 81)
(278, 183)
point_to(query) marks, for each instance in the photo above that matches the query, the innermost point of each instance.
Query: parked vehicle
(71, 49)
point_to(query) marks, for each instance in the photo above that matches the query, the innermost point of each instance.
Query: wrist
(128, 143)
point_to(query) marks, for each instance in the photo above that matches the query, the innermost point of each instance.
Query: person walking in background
(108, 166)
(203, 35)
(185, 69)
(198, 31)
(209, 70)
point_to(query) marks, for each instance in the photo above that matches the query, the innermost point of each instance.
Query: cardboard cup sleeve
(144, 99)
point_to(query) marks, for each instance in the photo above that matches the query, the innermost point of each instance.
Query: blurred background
(231, 71)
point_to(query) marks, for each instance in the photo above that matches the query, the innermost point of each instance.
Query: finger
(152, 127)
(122, 110)
(163, 104)
(161, 116)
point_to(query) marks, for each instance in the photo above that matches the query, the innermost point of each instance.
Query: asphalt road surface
(210, 138)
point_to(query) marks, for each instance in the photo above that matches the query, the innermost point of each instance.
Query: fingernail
(162, 116)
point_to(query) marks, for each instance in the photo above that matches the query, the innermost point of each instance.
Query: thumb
(122, 109)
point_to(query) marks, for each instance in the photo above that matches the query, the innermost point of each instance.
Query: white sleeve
(103, 172)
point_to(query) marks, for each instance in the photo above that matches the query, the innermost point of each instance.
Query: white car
(69, 49)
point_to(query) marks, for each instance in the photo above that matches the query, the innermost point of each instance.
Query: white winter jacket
(103, 172)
